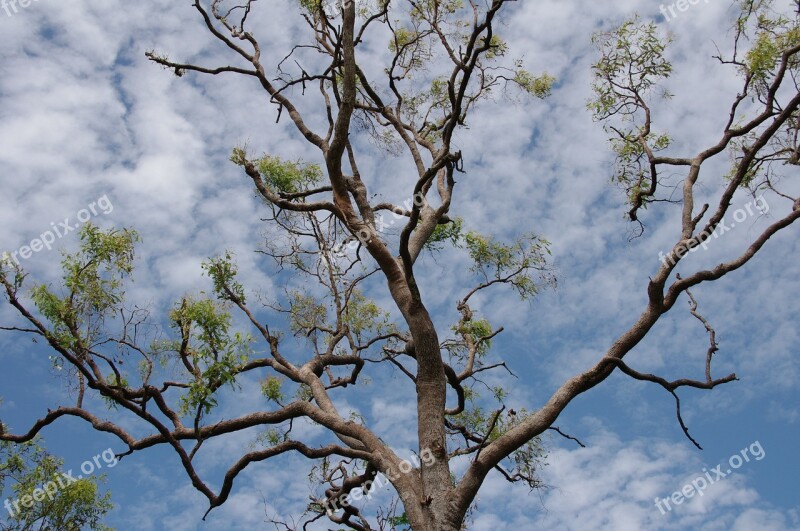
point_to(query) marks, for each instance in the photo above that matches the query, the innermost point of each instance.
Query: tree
(42, 497)
(440, 60)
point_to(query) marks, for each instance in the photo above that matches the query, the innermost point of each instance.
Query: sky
(86, 120)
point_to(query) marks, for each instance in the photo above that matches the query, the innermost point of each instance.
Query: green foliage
(218, 356)
(736, 150)
(239, 155)
(499, 393)
(281, 175)
(358, 418)
(93, 279)
(58, 311)
(114, 382)
(305, 313)
(770, 36)
(273, 437)
(412, 47)
(401, 520)
(439, 88)
(632, 168)
(223, 272)
(447, 233)
(310, 317)
(497, 47)
(538, 86)
(428, 93)
(631, 63)
(311, 6)
(512, 264)
(9, 268)
(271, 389)
(528, 459)
(478, 420)
(773, 34)
(428, 9)
(477, 330)
(24, 468)
(402, 38)
(288, 177)
(270, 437)
(363, 315)
(762, 56)
(304, 393)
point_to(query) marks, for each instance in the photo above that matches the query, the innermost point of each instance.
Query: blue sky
(84, 115)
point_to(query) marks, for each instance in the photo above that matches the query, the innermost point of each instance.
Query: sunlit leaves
(311, 5)
(306, 313)
(270, 437)
(444, 62)
(94, 275)
(216, 374)
(239, 156)
(286, 176)
(402, 37)
(304, 393)
(435, 8)
(401, 520)
(767, 47)
(93, 279)
(513, 264)
(9, 268)
(632, 168)
(448, 233)
(491, 425)
(271, 389)
(27, 467)
(772, 35)
(222, 271)
(58, 311)
(497, 47)
(215, 354)
(412, 47)
(631, 65)
(113, 381)
(478, 331)
(363, 315)
(282, 176)
(632, 61)
(538, 86)
(762, 56)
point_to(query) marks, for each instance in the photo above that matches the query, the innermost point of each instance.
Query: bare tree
(443, 59)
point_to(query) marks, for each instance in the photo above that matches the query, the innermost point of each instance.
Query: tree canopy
(39, 495)
(402, 79)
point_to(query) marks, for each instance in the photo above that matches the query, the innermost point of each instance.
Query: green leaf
(222, 271)
(446, 233)
(271, 389)
(26, 468)
(288, 177)
(93, 280)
